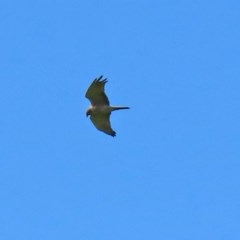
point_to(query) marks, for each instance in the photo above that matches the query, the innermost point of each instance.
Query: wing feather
(95, 92)
(102, 122)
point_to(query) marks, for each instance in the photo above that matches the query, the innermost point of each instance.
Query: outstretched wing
(95, 92)
(101, 121)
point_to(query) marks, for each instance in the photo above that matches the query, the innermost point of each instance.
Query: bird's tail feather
(119, 108)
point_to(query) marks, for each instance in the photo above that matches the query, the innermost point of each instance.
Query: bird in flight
(100, 109)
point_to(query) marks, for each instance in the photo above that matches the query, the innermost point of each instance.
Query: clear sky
(172, 171)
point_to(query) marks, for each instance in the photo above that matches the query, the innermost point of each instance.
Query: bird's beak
(87, 113)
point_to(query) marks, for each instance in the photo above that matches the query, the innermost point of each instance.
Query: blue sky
(173, 170)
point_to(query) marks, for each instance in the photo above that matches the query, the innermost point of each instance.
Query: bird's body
(100, 109)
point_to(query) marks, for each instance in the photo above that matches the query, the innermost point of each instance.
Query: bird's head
(88, 112)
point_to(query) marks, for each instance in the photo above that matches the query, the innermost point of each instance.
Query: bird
(100, 109)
